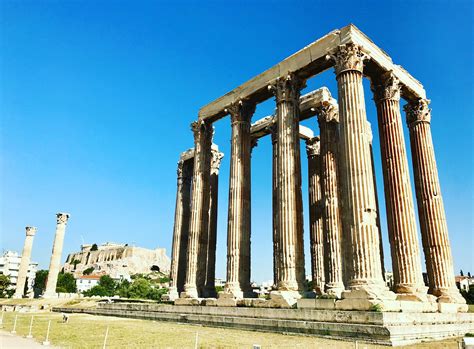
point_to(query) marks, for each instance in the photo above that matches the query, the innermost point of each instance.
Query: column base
(449, 295)
(17, 296)
(368, 297)
(335, 289)
(171, 295)
(49, 295)
(189, 292)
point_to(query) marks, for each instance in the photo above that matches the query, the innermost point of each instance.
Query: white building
(86, 282)
(10, 264)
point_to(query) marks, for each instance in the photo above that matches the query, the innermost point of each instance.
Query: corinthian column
(238, 228)
(25, 262)
(198, 225)
(328, 118)
(434, 230)
(276, 247)
(181, 229)
(290, 214)
(360, 209)
(210, 287)
(55, 264)
(315, 214)
(404, 246)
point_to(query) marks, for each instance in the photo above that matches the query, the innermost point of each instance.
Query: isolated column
(238, 228)
(198, 225)
(181, 229)
(55, 264)
(328, 118)
(404, 245)
(25, 262)
(356, 171)
(315, 214)
(290, 215)
(210, 287)
(434, 229)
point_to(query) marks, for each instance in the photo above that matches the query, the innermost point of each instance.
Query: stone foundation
(387, 328)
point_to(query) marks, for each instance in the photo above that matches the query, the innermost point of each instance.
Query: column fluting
(404, 245)
(360, 213)
(315, 215)
(199, 216)
(238, 228)
(181, 228)
(55, 263)
(328, 119)
(276, 247)
(290, 215)
(210, 287)
(434, 229)
(25, 262)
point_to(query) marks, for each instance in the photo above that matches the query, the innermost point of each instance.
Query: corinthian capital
(61, 217)
(287, 89)
(30, 231)
(241, 111)
(348, 57)
(327, 112)
(201, 127)
(417, 111)
(216, 157)
(313, 146)
(387, 87)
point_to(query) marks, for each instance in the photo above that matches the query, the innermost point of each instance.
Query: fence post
(46, 342)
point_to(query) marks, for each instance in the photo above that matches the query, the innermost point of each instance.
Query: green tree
(66, 283)
(97, 290)
(105, 288)
(4, 286)
(122, 288)
(40, 281)
(94, 247)
(75, 263)
(140, 288)
(88, 271)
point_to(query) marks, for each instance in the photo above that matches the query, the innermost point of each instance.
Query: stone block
(418, 307)
(325, 303)
(259, 303)
(283, 299)
(187, 301)
(305, 303)
(452, 307)
(226, 302)
(210, 302)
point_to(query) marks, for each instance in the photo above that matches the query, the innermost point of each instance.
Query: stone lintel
(189, 154)
(309, 102)
(308, 62)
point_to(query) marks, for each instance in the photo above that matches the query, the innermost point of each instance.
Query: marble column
(315, 214)
(360, 210)
(290, 214)
(434, 229)
(25, 262)
(238, 228)
(55, 264)
(276, 246)
(328, 119)
(210, 287)
(379, 226)
(181, 229)
(404, 245)
(199, 216)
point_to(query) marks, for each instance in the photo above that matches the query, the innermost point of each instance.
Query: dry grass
(471, 308)
(88, 331)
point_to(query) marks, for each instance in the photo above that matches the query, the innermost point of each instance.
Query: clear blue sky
(97, 98)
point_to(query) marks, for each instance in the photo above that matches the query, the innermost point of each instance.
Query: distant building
(389, 279)
(119, 261)
(10, 264)
(463, 282)
(86, 282)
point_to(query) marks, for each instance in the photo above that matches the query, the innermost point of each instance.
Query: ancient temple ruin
(345, 234)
